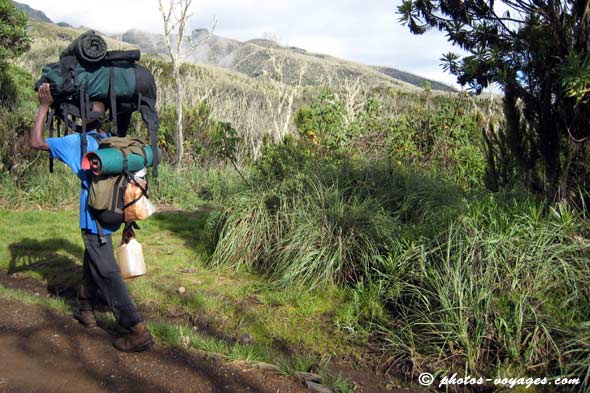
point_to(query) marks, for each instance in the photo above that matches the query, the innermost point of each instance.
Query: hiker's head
(96, 116)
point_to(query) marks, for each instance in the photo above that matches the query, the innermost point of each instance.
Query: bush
(16, 119)
(14, 38)
(198, 130)
(499, 293)
(437, 132)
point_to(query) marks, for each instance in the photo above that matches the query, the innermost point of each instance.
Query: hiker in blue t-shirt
(100, 270)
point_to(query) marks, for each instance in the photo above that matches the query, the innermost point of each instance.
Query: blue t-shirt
(68, 149)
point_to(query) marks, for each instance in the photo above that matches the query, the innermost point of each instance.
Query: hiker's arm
(45, 100)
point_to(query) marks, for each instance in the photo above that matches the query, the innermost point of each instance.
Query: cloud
(367, 32)
(109, 16)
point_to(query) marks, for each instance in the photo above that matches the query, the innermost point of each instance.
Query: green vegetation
(14, 38)
(537, 51)
(218, 307)
(485, 284)
(367, 221)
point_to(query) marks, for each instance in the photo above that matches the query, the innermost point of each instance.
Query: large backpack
(87, 72)
(114, 194)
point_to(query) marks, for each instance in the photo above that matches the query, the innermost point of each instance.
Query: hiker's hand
(45, 97)
(128, 234)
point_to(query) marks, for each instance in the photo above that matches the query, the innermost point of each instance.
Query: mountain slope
(412, 78)
(262, 57)
(33, 13)
(258, 58)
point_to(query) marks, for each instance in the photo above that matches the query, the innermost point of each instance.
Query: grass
(53, 303)
(39, 189)
(222, 304)
(487, 284)
(440, 279)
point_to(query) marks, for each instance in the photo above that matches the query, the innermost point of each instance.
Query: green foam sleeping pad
(109, 161)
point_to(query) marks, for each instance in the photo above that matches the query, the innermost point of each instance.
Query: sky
(366, 31)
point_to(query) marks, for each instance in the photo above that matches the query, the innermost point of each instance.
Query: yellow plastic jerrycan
(130, 257)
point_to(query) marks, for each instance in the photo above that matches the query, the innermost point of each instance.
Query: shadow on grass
(188, 225)
(56, 260)
(191, 227)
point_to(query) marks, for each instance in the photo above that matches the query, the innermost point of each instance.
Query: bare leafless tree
(353, 98)
(283, 107)
(176, 15)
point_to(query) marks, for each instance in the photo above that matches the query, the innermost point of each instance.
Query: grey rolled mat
(88, 48)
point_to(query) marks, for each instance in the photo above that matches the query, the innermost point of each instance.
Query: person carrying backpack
(100, 270)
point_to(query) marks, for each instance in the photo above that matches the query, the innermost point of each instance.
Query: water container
(130, 257)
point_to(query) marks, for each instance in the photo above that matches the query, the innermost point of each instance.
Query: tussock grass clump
(322, 237)
(489, 284)
(502, 291)
(323, 224)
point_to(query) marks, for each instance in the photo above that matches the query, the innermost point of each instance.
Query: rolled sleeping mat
(88, 48)
(124, 55)
(110, 161)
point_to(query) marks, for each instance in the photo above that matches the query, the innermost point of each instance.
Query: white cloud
(109, 16)
(367, 32)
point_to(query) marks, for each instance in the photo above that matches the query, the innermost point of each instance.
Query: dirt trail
(42, 351)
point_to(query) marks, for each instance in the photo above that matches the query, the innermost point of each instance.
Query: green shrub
(14, 37)
(497, 293)
(281, 161)
(198, 132)
(311, 222)
(440, 133)
(16, 119)
(322, 123)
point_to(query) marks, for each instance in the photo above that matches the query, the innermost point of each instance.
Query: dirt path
(42, 351)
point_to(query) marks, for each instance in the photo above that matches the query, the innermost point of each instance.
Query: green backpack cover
(87, 72)
(106, 192)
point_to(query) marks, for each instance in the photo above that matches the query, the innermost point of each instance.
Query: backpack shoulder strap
(96, 138)
(113, 99)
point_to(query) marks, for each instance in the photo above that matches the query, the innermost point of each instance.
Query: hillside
(411, 78)
(258, 57)
(261, 57)
(33, 13)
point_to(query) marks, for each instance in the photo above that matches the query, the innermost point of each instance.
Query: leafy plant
(537, 52)
(14, 38)
(225, 143)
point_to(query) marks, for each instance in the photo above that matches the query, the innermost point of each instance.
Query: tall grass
(492, 285)
(328, 223)
(37, 188)
(498, 292)
(316, 238)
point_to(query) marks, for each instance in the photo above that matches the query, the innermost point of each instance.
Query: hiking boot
(86, 318)
(138, 340)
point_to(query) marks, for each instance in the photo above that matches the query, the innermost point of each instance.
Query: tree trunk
(179, 133)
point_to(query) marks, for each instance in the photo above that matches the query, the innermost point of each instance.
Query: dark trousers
(101, 275)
